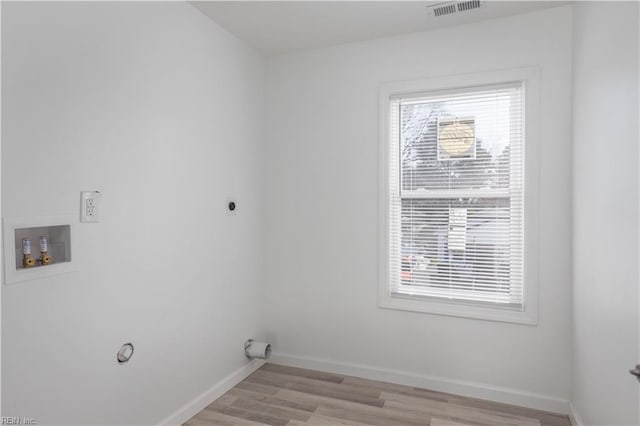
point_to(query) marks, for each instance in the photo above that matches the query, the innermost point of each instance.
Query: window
(456, 236)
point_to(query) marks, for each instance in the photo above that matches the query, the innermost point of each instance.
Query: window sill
(458, 309)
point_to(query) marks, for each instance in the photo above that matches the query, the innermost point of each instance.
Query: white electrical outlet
(90, 206)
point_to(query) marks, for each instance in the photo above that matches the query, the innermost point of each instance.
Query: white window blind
(456, 178)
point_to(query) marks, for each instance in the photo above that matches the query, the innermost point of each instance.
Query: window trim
(530, 77)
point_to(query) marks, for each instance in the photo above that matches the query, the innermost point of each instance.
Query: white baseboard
(575, 418)
(193, 407)
(441, 384)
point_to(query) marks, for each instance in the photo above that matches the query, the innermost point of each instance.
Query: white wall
(605, 230)
(321, 206)
(161, 110)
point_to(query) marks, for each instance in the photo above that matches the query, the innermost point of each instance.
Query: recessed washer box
(58, 230)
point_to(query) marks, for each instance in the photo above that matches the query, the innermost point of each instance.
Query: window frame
(528, 314)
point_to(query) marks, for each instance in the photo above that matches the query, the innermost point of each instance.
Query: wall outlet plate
(90, 206)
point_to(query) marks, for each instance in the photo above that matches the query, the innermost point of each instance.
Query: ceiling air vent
(468, 5)
(449, 8)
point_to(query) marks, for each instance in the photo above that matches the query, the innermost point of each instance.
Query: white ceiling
(274, 27)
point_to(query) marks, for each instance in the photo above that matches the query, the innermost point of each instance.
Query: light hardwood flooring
(285, 396)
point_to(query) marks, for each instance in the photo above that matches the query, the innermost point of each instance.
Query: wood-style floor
(277, 395)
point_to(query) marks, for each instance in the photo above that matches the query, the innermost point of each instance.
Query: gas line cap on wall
(125, 353)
